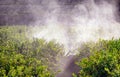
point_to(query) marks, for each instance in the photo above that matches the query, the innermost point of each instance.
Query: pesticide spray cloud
(71, 22)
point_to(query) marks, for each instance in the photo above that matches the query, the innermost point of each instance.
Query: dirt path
(68, 65)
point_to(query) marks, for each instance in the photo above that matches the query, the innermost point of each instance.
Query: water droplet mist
(72, 22)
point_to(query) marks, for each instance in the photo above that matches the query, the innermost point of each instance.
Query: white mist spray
(84, 22)
(74, 23)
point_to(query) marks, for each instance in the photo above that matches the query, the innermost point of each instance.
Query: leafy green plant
(104, 60)
(13, 64)
(21, 56)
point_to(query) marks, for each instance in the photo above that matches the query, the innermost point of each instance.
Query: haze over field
(69, 22)
(72, 22)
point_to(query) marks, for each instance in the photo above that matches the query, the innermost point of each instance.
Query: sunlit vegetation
(13, 64)
(103, 60)
(24, 57)
(21, 56)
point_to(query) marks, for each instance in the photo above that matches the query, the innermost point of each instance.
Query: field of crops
(21, 56)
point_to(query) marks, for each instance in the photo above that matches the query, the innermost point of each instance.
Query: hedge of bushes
(103, 61)
(21, 56)
(25, 57)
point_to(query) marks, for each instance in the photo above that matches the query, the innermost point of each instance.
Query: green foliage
(21, 56)
(13, 64)
(104, 60)
(24, 57)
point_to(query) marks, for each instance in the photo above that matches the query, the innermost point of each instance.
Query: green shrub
(13, 64)
(103, 62)
(17, 51)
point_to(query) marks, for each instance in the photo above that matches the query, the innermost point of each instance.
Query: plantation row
(21, 56)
